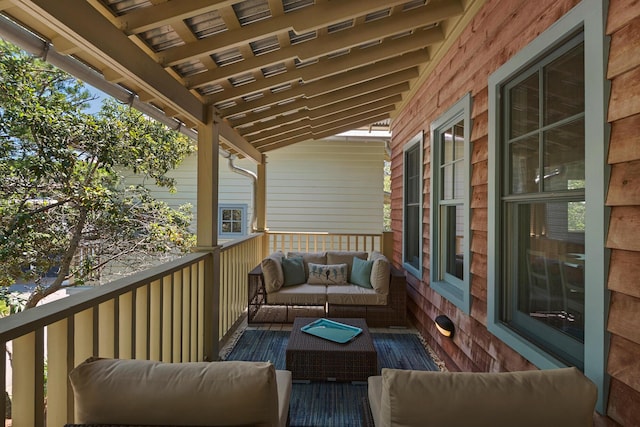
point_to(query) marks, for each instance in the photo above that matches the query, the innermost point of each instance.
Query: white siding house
(332, 185)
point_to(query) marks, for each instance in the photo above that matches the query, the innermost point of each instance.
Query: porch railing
(173, 313)
(237, 259)
(286, 241)
(159, 314)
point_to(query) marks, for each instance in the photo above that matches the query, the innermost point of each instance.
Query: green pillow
(361, 272)
(293, 269)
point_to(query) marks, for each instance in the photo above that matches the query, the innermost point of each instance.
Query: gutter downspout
(254, 179)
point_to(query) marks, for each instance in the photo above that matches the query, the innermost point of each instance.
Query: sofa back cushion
(557, 397)
(141, 392)
(272, 272)
(380, 272)
(309, 257)
(345, 257)
(293, 271)
(332, 274)
(361, 273)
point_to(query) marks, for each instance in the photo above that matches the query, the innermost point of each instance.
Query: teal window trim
(243, 221)
(456, 290)
(589, 16)
(413, 237)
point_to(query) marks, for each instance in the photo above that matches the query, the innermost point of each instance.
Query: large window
(412, 232)
(543, 154)
(450, 150)
(548, 140)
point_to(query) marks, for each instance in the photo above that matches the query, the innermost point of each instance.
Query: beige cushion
(141, 392)
(299, 295)
(374, 391)
(309, 257)
(380, 273)
(557, 397)
(332, 274)
(345, 257)
(284, 380)
(354, 295)
(272, 272)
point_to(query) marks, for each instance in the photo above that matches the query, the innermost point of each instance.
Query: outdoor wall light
(444, 325)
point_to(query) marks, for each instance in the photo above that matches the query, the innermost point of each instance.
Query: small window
(450, 150)
(412, 233)
(232, 220)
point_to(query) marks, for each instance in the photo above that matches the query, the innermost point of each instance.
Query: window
(450, 150)
(412, 233)
(232, 220)
(548, 139)
(543, 158)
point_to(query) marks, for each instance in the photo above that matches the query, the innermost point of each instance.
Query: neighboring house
(495, 158)
(331, 185)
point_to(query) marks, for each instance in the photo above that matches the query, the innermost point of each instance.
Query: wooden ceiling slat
(353, 76)
(302, 20)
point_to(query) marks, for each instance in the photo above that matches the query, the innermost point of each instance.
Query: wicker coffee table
(312, 358)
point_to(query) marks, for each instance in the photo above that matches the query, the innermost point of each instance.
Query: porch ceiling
(272, 72)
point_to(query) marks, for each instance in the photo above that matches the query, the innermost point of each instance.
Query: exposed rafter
(270, 72)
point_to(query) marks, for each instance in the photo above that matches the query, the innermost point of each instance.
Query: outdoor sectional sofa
(346, 283)
(553, 397)
(119, 392)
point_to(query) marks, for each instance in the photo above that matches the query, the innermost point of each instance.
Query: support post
(261, 204)
(207, 233)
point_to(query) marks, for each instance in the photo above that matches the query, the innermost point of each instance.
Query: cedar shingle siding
(500, 30)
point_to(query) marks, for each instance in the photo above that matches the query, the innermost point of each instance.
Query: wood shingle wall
(501, 29)
(623, 25)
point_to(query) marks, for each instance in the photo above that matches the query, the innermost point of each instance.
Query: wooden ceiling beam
(345, 117)
(147, 18)
(364, 93)
(325, 45)
(406, 63)
(302, 20)
(80, 23)
(359, 93)
(283, 129)
(329, 67)
(346, 126)
(300, 120)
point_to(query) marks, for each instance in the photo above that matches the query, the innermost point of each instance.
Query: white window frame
(414, 143)
(589, 16)
(243, 208)
(456, 290)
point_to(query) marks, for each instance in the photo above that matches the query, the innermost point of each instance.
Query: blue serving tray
(331, 330)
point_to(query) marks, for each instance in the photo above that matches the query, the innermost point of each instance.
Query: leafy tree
(61, 193)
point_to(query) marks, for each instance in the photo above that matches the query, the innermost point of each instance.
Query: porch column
(261, 195)
(207, 233)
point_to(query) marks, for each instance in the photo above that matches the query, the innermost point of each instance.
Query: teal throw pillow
(361, 272)
(293, 270)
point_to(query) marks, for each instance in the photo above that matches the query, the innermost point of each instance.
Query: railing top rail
(324, 233)
(19, 324)
(239, 241)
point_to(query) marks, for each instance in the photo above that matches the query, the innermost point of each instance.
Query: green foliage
(61, 192)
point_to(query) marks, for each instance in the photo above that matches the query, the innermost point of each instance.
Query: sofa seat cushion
(354, 295)
(304, 294)
(557, 397)
(118, 391)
